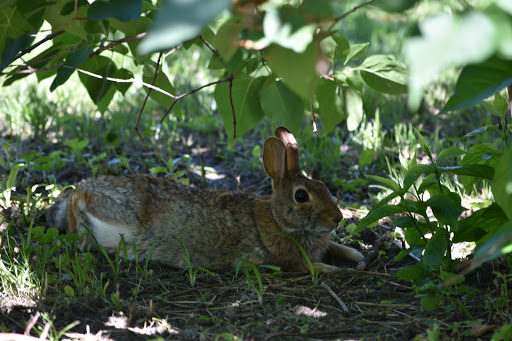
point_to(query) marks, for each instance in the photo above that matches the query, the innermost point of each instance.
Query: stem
(409, 213)
(505, 128)
(337, 19)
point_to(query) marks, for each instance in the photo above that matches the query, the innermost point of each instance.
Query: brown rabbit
(217, 227)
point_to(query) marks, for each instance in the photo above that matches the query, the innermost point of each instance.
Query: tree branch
(177, 98)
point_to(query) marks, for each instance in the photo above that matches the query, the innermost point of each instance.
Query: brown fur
(217, 227)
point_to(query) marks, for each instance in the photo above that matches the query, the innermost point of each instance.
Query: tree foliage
(279, 59)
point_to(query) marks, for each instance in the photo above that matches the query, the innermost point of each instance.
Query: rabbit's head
(300, 205)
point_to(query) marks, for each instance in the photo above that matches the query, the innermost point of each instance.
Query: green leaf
(75, 59)
(502, 183)
(480, 223)
(447, 209)
(179, 21)
(282, 106)
(479, 171)
(376, 214)
(366, 158)
(123, 74)
(443, 38)
(12, 47)
(423, 143)
(342, 47)
(353, 107)
(386, 199)
(97, 87)
(329, 104)
(478, 82)
(124, 10)
(435, 249)
(285, 64)
(500, 104)
(414, 273)
(77, 145)
(224, 41)
(356, 51)
(163, 83)
(402, 254)
(431, 302)
(449, 153)
(427, 183)
(285, 33)
(413, 173)
(69, 291)
(388, 183)
(384, 74)
(480, 154)
(499, 244)
(413, 237)
(52, 14)
(13, 174)
(246, 101)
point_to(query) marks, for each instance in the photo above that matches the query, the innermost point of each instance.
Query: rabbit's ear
(274, 158)
(292, 149)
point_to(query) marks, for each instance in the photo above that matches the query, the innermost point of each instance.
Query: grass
(56, 138)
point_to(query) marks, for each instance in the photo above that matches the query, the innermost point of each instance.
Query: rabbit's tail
(56, 214)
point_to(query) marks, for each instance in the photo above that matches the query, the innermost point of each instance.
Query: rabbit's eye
(301, 196)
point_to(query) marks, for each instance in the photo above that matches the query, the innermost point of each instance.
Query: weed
(422, 186)
(251, 270)
(49, 331)
(312, 269)
(192, 272)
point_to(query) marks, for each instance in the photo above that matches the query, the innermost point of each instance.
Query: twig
(32, 70)
(173, 50)
(336, 20)
(145, 100)
(18, 337)
(313, 116)
(208, 46)
(119, 80)
(336, 298)
(177, 98)
(409, 254)
(232, 106)
(45, 331)
(385, 305)
(117, 42)
(45, 39)
(373, 273)
(31, 323)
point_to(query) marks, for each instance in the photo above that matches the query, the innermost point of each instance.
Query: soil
(369, 304)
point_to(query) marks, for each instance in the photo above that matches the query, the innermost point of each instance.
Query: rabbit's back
(216, 227)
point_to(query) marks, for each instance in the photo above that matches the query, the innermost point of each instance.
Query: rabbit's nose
(336, 220)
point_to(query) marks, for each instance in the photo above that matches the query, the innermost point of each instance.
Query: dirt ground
(369, 304)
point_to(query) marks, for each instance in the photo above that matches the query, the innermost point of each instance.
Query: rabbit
(218, 228)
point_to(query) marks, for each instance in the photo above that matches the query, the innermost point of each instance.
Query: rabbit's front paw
(340, 252)
(322, 267)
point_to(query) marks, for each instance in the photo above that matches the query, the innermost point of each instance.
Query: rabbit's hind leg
(83, 216)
